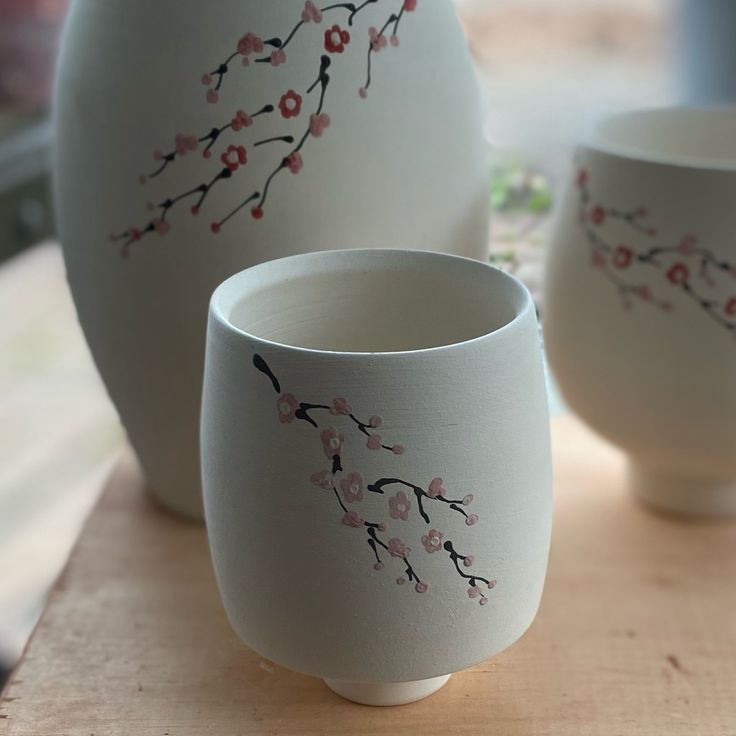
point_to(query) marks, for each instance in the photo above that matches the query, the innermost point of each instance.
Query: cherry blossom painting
(400, 499)
(230, 138)
(644, 271)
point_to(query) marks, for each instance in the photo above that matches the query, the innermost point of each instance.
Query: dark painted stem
(455, 557)
(420, 493)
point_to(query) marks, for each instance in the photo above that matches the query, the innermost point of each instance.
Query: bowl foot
(686, 496)
(386, 693)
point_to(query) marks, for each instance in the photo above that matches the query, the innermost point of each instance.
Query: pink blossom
(332, 442)
(688, 246)
(241, 120)
(468, 499)
(278, 57)
(400, 581)
(376, 422)
(399, 506)
(311, 13)
(731, 307)
(352, 488)
(678, 274)
(185, 143)
(157, 155)
(212, 96)
(206, 79)
(474, 591)
(483, 601)
(436, 488)
(410, 5)
(162, 227)
(318, 124)
(378, 566)
(324, 479)
(290, 104)
(492, 584)
(336, 39)
(598, 258)
(622, 256)
(378, 40)
(421, 587)
(468, 561)
(215, 227)
(432, 541)
(598, 215)
(471, 520)
(234, 157)
(352, 519)
(287, 406)
(294, 162)
(341, 406)
(643, 292)
(398, 449)
(257, 213)
(396, 548)
(374, 442)
(250, 44)
(395, 42)
(363, 92)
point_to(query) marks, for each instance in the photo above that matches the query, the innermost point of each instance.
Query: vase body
(640, 320)
(384, 473)
(165, 114)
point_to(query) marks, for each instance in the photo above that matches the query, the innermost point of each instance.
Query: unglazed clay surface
(376, 516)
(640, 319)
(194, 142)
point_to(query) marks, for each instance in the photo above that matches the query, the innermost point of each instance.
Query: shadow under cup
(376, 465)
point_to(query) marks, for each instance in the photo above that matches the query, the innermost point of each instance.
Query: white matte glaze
(642, 342)
(405, 167)
(454, 371)
(392, 693)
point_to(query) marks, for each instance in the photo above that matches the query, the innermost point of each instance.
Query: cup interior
(688, 136)
(370, 301)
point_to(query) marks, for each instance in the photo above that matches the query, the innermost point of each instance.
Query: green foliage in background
(516, 188)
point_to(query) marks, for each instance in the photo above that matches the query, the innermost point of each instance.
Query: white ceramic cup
(376, 465)
(640, 304)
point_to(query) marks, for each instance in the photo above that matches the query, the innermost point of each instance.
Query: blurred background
(548, 68)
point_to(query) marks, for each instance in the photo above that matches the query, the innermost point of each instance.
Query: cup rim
(600, 139)
(225, 295)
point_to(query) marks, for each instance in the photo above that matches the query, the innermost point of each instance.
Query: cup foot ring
(386, 693)
(674, 494)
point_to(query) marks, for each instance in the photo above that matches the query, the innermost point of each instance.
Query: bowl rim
(601, 139)
(228, 293)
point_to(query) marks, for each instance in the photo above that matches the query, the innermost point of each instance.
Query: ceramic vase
(640, 320)
(376, 465)
(194, 140)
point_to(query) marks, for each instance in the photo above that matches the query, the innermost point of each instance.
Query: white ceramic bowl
(640, 320)
(376, 465)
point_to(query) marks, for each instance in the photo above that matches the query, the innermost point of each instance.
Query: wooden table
(636, 634)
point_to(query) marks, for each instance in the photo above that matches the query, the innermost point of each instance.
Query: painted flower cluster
(651, 273)
(351, 491)
(339, 35)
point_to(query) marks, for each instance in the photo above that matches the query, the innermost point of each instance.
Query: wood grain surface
(636, 634)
